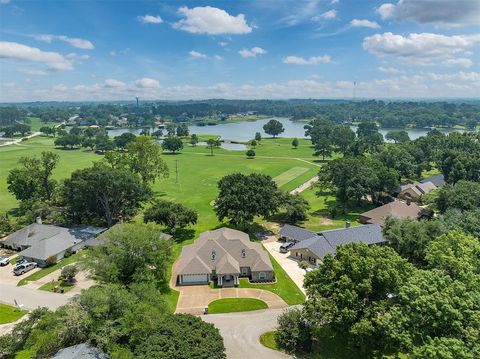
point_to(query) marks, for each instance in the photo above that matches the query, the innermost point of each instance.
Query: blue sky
(109, 50)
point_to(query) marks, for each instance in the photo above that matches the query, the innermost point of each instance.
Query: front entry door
(228, 277)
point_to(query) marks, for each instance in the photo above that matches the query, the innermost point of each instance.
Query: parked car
(24, 268)
(4, 261)
(286, 246)
(21, 261)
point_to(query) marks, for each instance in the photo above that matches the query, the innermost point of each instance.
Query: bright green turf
(9, 314)
(50, 286)
(289, 175)
(267, 339)
(230, 305)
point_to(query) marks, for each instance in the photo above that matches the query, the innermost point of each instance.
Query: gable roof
(227, 245)
(396, 209)
(437, 180)
(326, 242)
(296, 233)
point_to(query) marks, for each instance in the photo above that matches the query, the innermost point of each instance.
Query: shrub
(293, 333)
(250, 153)
(303, 264)
(68, 273)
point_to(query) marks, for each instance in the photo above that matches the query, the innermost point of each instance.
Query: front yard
(9, 314)
(229, 305)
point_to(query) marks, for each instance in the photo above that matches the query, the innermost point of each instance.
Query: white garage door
(194, 278)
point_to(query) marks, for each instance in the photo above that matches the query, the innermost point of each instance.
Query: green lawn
(44, 271)
(9, 314)
(49, 287)
(267, 339)
(229, 305)
(284, 287)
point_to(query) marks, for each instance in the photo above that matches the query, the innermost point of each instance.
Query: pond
(245, 130)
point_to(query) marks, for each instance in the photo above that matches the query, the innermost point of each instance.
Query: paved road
(305, 185)
(18, 140)
(31, 298)
(240, 332)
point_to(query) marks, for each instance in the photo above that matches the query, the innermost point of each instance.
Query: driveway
(31, 298)
(288, 264)
(241, 332)
(7, 277)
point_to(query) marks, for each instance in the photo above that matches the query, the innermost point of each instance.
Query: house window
(262, 275)
(214, 255)
(243, 253)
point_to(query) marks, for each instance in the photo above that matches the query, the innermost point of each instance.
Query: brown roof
(396, 209)
(224, 250)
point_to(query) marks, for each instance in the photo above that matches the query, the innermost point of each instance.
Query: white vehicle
(24, 268)
(4, 261)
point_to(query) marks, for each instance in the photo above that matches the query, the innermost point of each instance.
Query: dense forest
(386, 114)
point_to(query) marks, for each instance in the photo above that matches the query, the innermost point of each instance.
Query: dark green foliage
(368, 136)
(398, 136)
(293, 334)
(182, 336)
(343, 138)
(143, 158)
(467, 221)
(273, 127)
(172, 144)
(170, 214)
(242, 197)
(193, 139)
(47, 130)
(258, 136)
(250, 153)
(464, 196)
(68, 273)
(68, 140)
(131, 253)
(213, 143)
(399, 159)
(123, 140)
(320, 132)
(101, 193)
(296, 209)
(295, 143)
(182, 130)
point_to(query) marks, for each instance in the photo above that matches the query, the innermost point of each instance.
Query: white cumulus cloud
(211, 20)
(75, 42)
(197, 54)
(147, 83)
(253, 52)
(16, 51)
(419, 49)
(150, 19)
(330, 14)
(114, 83)
(443, 12)
(297, 60)
(364, 23)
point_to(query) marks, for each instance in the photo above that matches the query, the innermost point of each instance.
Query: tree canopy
(170, 214)
(273, 127)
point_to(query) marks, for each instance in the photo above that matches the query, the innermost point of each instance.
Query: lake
(245, 130)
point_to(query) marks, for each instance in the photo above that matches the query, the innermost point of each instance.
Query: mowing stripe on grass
(290, 175)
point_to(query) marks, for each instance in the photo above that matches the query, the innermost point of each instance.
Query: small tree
(295, 143)
(250, 154)
(172, 215)
(182, 130)
(158, 133)
(193, 139)
(213, 143)
(293, 333)
(258, 136)
(296, 209)
(273, 127)
(68, 274)
(253, 143)
(172, 144)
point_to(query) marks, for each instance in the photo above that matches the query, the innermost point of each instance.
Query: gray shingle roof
(397, 209)
(326, 242)
(80, 351)
(296, 233)
(437, 180)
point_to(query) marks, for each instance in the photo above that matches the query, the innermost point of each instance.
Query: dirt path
(305, 185)
(18, 140)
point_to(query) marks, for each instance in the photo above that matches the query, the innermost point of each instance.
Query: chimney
(39, 220)
(347, 224)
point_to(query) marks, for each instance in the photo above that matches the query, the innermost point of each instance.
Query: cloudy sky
(112, 50)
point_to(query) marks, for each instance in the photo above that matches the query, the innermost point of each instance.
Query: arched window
(214, 255)
(243, 253)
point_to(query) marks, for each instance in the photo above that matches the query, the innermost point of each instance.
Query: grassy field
(285, 287)
(9, 314)
(229, 305)
(50, 286)
(44, 271)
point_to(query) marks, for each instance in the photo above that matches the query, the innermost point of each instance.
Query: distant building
(399, 209)
(414, 190)
(46, 244)
(437, 180)
(314, 246)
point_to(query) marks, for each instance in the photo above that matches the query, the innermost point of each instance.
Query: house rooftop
(80, 351)
(437, 180)
(396, 209)
(296, 233)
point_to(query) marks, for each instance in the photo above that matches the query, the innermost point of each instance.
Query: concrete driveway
(288, 264)
(241, 332)
(31, 298)
(7, 276)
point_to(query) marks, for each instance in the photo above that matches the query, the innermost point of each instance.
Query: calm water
(245, 130)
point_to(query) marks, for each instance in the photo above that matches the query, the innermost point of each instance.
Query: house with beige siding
(223, 255)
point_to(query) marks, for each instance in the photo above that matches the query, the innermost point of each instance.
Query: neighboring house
(415, 190)
(47, 244)
(315, 248)
(397, 209)
(223, 255)
(295, 234)
(437, 180)
(80, 351)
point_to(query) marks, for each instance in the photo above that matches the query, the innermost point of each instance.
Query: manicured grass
(44, 271)
(9, 314)
(267, 339)
(49, 287)
(289, 175)
(171, 298)
(35, 123)
(284, 287)
(229, 305)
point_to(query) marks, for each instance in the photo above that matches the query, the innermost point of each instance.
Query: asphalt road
(240, 332)
(31, 298)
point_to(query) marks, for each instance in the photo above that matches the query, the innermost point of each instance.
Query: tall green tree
(143, 156)
(123, 140)
(464, 195)
(172, 144)
(273, 127)
(399, 136)
(182, 130)
(170, 214)
(343, 138)
(213, 143)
